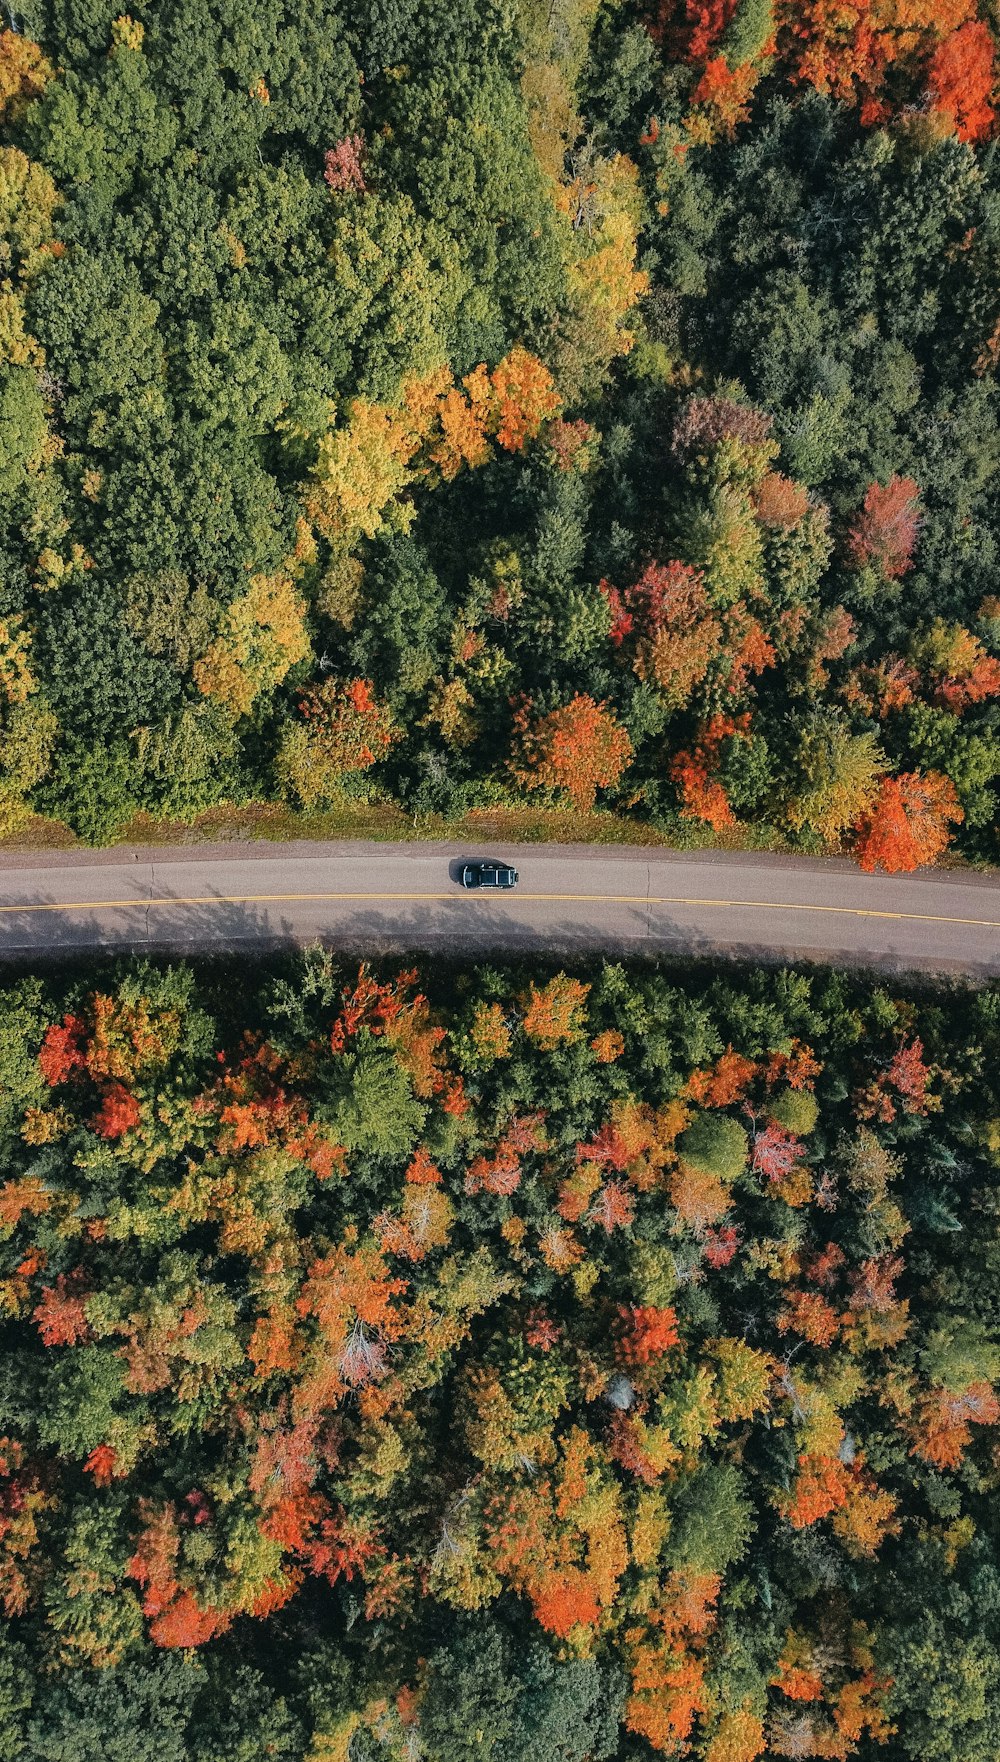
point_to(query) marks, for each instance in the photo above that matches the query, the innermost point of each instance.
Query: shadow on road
(36, 931)
(467, 926)
(442, 928)
(462, 926)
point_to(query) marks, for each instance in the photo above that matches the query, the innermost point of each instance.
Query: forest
(498, 1366)
(496, 405)
(582, 412)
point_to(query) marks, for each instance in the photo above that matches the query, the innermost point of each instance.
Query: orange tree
(574, 750)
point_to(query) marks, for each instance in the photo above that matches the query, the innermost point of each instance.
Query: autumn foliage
(488, 416)
(868, 54)
(909, 823)
(480, 1307)
(468, 452)
(343, 165)
(574, 750)
(24, 73)
(962, 77)
(674, 631)
(344, 730)
(703, 796)
(886, 531)
(368, 465)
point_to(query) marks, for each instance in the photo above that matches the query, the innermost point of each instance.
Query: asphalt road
(571, 899)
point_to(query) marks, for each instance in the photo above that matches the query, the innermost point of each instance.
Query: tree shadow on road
(464, 932)
(452, 930)
(47, 928)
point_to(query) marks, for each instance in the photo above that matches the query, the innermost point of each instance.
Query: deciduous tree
(574, 750)
(909, 822)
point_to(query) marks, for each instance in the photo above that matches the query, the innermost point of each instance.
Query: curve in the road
(618, 900)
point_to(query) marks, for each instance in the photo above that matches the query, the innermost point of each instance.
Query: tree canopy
(607, 391)
(473, 1364)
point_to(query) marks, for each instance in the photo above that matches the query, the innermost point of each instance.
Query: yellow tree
(345, 729)
(24, 74)
(603, 280)
(361, 468)
(263, 634)
(840, 774)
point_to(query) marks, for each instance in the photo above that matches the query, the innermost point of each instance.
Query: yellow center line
(756, 905)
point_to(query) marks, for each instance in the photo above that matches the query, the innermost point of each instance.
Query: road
(571, 900)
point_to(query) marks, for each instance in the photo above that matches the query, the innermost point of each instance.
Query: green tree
(836, 776)
(715, 1144)
(371, 1104)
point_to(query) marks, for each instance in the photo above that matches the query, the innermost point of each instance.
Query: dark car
(488, 874)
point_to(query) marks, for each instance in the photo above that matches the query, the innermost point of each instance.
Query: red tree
(622, 621)
(961, 80)
(982, 681)
(647, 1331)
(909, 824)
(702, 795)
(959, 669)
(101, 1464)
(61, 1314)
(775, 1152)
(909, 1076)
(61, 1052)
(809, 1314)
(541, 1331)
(690, 29)
(726, 91)
(780, 501)
(820, 1487)
(941, 1429)
(665, 594)
(119, 1112)
(614, 1206)
(886, 529)
(675, 632)
(704, 421)
(344, 165)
